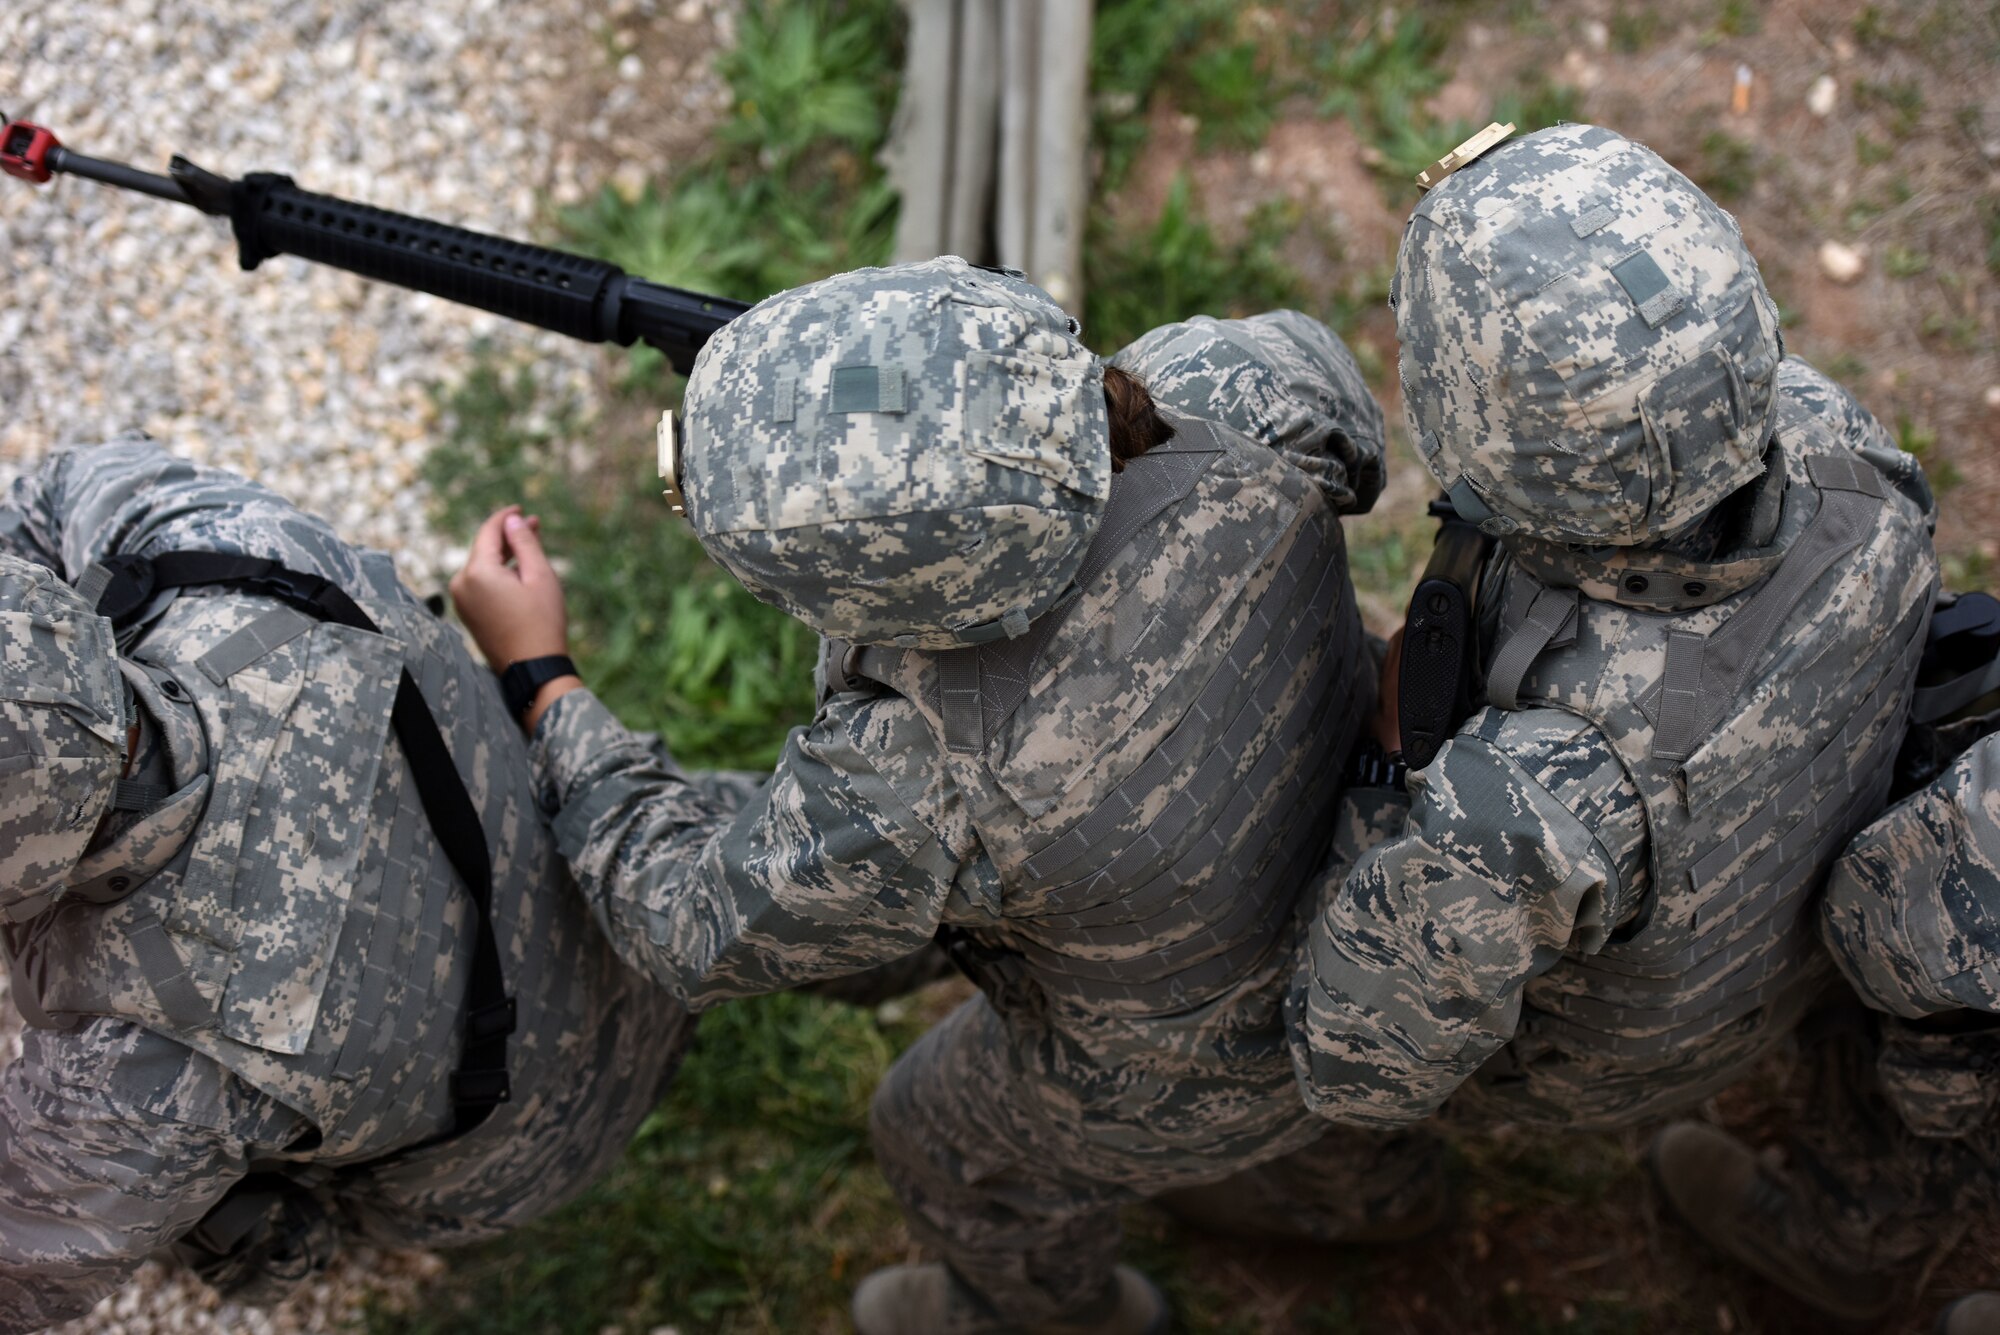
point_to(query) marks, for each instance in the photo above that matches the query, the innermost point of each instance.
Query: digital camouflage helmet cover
(916, 455)
(1588, 349)
(62, 733)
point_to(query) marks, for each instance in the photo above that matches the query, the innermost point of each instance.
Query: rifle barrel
(115, 173)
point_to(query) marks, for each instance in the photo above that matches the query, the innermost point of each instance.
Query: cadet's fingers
(489, 544)
(524, 543)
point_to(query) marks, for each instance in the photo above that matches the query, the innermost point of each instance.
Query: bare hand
(1388, 722)
(508, 595)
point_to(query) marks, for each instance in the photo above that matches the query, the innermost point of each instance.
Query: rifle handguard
(586, 299)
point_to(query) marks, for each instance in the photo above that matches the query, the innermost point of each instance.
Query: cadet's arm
(83, 505)
(823, 873)
(1524, 841)
(97, 1170)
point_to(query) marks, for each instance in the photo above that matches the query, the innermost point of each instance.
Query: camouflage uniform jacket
(1600, 899)
(1912, 917)
(1226, 603)
(294, 875)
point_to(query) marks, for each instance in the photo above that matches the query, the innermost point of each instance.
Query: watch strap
(522, 680)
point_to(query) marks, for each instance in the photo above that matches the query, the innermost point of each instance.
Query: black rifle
(1440, 685)
(587, 299)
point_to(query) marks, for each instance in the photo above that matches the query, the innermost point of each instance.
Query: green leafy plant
(1231, 94)
(1134, 45)
(1380, 78)
(802, 75)
(1178, 267)
(1409, 144)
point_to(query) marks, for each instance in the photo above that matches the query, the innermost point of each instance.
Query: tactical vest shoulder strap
(1705, 672)
(1550, 619)
(124, 584)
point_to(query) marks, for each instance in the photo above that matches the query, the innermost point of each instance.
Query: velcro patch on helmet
(1594, 219)
(868, 389)
(1646, 283)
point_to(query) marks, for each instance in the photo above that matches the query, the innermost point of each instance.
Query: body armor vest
(1759, 727)
(325, 942)
(1150, 767)
(272, 904)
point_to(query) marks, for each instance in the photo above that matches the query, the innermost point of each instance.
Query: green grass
(1727, 167)
(1136, 45)
(1179, 267)
(1231, 93)
(747, 1202)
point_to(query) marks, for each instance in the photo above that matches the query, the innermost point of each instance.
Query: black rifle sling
(480, 1082)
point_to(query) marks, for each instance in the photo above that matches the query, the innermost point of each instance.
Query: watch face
(667, 436)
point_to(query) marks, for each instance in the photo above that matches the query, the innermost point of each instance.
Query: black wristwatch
(521, 681)
(1377, 768)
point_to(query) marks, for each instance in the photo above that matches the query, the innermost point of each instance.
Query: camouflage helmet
(916, 455)
(62, 732)
(1588, 349)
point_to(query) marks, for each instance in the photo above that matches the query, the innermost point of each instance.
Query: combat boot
(1745, 1209)
(914, 1300)
(1974, 1314)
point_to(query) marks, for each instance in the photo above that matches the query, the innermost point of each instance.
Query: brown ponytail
(1136, 426)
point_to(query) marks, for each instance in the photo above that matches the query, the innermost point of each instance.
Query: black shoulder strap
(480, 1083)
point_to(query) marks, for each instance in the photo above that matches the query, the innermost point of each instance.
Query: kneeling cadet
(274, 999)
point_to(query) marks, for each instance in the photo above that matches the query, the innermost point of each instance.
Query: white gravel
(121, 311)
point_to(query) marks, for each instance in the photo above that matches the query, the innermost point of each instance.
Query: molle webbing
(1645, 1004)
(1163, 916)
(1181, 867)
(1705, 674)
(1060, 861)
(1726, 933)
(1160, 917)
(980, 685)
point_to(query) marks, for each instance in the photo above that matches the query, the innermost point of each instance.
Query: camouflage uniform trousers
(1902, 1147)
(1012, 1151)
